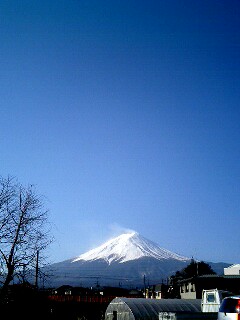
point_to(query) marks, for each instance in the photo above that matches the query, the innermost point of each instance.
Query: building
(192, 288)
(233, 270)
(157, 291)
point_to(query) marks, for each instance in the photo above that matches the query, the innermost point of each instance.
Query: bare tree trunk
(8, 279)
(23, 231)
(37, 270)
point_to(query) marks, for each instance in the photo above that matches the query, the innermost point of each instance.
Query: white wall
(232, 270)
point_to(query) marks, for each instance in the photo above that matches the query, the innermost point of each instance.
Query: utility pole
(37, 270)
(144, 282)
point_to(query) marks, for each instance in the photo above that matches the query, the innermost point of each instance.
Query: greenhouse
(148, 309)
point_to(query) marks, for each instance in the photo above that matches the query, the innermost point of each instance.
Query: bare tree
(24, 230)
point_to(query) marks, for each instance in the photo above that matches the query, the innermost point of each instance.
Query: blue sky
(125, 115)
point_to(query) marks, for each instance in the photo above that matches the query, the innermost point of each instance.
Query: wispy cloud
(116, 229)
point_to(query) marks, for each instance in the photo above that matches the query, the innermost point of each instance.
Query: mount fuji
(126, 260)
(128, 247)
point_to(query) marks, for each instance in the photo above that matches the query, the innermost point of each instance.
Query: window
(210, 297)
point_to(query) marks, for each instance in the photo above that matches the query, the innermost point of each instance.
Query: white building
(233, 270)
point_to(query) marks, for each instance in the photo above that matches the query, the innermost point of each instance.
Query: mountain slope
(125, 260)
(127, 247)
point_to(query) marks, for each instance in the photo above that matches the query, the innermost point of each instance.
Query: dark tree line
(193, 269)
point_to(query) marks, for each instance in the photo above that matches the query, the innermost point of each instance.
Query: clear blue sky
(125, 114)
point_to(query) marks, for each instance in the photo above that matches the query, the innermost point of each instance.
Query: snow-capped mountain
(126, 260)
(127, 247)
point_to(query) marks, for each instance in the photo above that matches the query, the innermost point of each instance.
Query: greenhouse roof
(142, 308)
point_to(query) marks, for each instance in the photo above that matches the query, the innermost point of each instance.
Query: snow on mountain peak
(127, 247)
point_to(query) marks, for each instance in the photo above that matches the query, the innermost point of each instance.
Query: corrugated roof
(147, 309)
